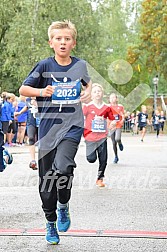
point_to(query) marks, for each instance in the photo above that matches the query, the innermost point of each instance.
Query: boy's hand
(47, 92)
(85, 96)
(16, 114)
(112, 125)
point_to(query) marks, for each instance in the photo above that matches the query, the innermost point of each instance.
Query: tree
(114, 36)
(151, 52)
(27, 40)
(8, 10)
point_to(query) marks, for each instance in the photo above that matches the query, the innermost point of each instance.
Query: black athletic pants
(56, 175)
(97, 148)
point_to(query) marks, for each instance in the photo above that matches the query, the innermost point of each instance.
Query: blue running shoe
(7, 156)
(52, 236)
(121, 147)
(116, 159)
(2, 161)
(63, 219)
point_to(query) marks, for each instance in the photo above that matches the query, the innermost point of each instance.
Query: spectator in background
(22, 120)
(0, 113)
(2, 100)
(33, 122)
(127, 121)
(132, 122)
(12, 126)
(3, 96)
(136, 128)
(6, 115)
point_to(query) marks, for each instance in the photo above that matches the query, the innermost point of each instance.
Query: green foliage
(118, 29)
(8, 10)
(27, 40)
(150, 53)
(105, 34)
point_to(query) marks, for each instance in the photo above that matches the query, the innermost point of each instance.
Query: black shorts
(5, 127)
(141, 127)
(12, 127)
(22, 124)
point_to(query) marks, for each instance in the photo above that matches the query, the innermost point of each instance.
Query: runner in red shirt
(118, 112)
(95, 130)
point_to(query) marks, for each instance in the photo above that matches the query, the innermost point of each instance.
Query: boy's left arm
(148, 122)
(86, 93)
(111, 123)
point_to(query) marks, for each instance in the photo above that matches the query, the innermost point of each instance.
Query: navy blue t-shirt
(156, 119)
(142, 119)
(67, 119)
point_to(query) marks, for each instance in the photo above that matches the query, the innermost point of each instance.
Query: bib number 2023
(67, 92)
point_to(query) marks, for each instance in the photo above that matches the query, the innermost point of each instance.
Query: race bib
(143, 119)
(99, 125)
(116, 117)
(66, 92)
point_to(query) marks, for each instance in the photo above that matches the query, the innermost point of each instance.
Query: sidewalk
(130, 214)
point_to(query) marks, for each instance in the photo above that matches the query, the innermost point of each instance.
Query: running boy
(156, 122)
(143, 121)
(162, 120)
(95, 130)
(57, 82)
(118, 112)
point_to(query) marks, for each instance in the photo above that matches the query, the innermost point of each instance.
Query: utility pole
(155, 85)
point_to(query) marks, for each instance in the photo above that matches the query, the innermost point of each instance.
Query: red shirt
(118, 112)
(90, 112)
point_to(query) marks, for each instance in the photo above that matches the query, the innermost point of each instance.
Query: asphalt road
(133, 204)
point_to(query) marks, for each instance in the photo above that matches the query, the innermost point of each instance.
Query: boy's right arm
(28, 91)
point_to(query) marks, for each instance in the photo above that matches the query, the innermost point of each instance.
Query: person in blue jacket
(22, 121)
(0, 113)
(33, 122)
(6, 112)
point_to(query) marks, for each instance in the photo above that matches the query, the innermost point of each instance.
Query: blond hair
(113, 94)
(13, 97)
(143, 107)
(97, 85)
(9, 96)
(66, 24)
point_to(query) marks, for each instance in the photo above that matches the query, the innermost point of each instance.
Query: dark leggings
(116, 138)
(56, 175)
(157, 128)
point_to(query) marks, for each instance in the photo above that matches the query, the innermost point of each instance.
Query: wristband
(40, 92)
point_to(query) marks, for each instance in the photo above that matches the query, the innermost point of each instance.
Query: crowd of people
(156, 121)
(19, 122)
